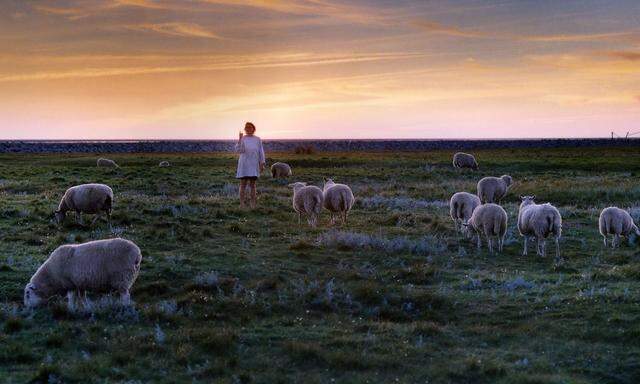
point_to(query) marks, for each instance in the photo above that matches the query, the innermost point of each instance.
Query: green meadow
(396, 295)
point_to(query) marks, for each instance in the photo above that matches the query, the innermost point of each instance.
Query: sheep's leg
(71, 300)
(524, 253)
(539, 247)
(109, 220)
(500, 243)
(79, 218)
(557, 247)
(490, 244)
(344, 220)
(604, 237)
(478, 241)
(98, 216)
(299, 218)
(616, 240)
(125, 297)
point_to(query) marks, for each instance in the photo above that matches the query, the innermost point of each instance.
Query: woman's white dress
(251, 156)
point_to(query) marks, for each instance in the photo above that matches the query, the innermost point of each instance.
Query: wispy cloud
(437, 28)
(627, 55)
(214, 64)
(177, 29)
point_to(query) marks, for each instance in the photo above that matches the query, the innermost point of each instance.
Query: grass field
(395, 296)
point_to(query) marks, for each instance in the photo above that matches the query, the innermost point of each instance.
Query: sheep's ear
(291, 185)
(522, 197)
(533, 197)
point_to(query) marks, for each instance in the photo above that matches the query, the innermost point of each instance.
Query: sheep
(491, 220)
(617, 222)
(338, 199)
(100, 266)
(86, 198)
(541, 221)
(280, 170)
(461, 206)
(307, 200)
(493, 189)
(164, 164)
(464, 160)
(106, 163)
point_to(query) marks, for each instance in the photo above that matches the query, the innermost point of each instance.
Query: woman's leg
(254, 194)
(243, 187)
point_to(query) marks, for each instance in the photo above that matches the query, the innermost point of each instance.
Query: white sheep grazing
(541, 221)
(106, 163)
(489, 220)
(461, 206)
(307, 200)
(617, 222)
(464, 160)
(164, 164)
(86, 198)
(493, 189)
(98, 266)
(280, 170)
(338, 199)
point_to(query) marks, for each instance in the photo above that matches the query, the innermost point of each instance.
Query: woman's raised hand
(240, 134)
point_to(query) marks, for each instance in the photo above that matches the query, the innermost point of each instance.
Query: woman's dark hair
(249, 126)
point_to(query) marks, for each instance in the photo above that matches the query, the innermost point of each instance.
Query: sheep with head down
(164, 164)
(280, 170)
(489, 220)
(540, 221)
(465, 160)
(86, 198)
(338, 200)
(493, 189)
(461, 206)
(307, 201)
(100, 266)
(616, 222)
(106, 163)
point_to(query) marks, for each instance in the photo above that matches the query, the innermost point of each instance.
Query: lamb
(280, 170)
(164, 164)
(464, 160)
(541, 221)
(461, 206)
(493, 189)
(338, 199)
(86, 198)
(617, 222)
(106, 163)
(98, 266)
(307, 200)
(491, 220)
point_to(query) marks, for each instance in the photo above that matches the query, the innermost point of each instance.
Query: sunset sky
(198, 69)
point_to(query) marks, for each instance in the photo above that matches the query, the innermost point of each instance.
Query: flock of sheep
(113, 265)
(481, 214)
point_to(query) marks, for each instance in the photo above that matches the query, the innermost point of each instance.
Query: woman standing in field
(250, 164)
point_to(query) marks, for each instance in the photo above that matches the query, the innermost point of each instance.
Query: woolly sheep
(461, 206)
(98, 266)
(617, 222)
(307, 200)
(541, 221)
(464, 160)
(493, 189)
(106, 163)
(338, 199)
(86, 198)
(164, 164)
(280, 170)
(491, 220)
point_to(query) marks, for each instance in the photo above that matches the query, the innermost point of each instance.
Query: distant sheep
(539, 221)
(617, 222)
(489, 220)
(164, 164)
(98, 266)
(338, 200)
(464, 160)
(106, 163)
(493, 189)
(280, 170)
(86, 198)
(461, 206)
(307, 200)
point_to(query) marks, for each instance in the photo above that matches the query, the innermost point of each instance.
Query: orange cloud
(177, 29)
